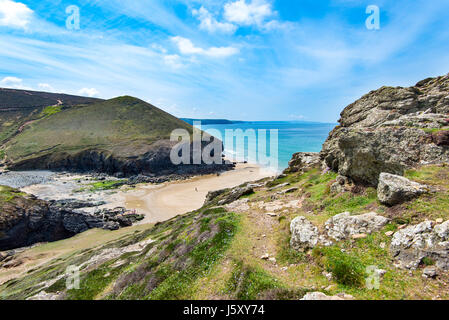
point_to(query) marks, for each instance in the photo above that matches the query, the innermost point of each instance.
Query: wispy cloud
(210, 23)
(186, 46)
(310, 64)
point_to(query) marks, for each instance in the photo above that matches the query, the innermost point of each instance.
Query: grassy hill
(18, 107)
(121, 135)
(124, 123)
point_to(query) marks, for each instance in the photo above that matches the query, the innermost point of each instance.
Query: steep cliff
(390, 130)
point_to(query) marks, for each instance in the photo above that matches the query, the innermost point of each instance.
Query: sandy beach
(164, 202)
(157, 202)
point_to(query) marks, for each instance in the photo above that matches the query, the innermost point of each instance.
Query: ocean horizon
(293, 137)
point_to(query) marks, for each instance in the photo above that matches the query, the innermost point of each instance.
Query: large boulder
(411, 245)
(304, 234)
(227, 196)
(393, 189)
(344, 225)
(302, 161)
(384, 131)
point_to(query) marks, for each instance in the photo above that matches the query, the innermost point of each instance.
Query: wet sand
(160, 203)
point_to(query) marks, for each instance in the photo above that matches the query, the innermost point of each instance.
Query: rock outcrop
(227, 196)
(387, 131)
(412, 245)
(393, 189)
(302, 161)
(305, 235)
(25, 220)
(344, 225)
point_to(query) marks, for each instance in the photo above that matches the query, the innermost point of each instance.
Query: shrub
(346, 269)
(428, 261)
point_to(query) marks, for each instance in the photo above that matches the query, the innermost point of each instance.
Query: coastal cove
(158, 202)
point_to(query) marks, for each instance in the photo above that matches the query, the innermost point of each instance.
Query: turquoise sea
(293, 137)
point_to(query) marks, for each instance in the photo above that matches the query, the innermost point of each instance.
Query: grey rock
(337, 188)
(383, 132)
(319, 296)
(289, 190)
(72, 204)
(303, 161)
(235, 195)
(304, 235)
(393, 189)
(29, 220)
(430, 272)
(344, 225)
(279, 186)
(44, 296)
(409, 246)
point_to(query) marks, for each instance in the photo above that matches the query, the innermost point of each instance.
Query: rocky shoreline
(69, 203)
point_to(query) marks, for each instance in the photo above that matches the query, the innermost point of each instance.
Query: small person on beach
(196, 189)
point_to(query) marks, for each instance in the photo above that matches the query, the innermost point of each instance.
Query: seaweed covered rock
(387, 130)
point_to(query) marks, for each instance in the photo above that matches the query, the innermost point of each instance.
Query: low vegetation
(50, 110)
(103, 185)
(214, 253)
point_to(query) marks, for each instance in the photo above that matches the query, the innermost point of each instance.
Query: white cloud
(46, 87)
(14, 14)
(90, 92)
(210, 24)
(186, 46)
(246, 14)
(13, 83)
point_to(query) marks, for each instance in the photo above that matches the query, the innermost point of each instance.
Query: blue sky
(235, 59)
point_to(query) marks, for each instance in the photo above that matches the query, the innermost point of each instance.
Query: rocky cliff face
(155, 162)
(390, 130)
(26, 220)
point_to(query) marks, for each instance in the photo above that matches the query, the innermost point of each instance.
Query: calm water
(292, 137)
